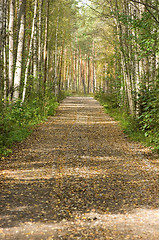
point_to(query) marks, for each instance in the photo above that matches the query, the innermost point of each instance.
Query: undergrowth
(133, 127)
(17, 120)
(81, 94)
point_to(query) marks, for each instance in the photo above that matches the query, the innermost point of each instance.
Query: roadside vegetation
(17, 120)
(143, 128)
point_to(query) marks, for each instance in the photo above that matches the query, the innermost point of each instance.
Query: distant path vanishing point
(79, 177)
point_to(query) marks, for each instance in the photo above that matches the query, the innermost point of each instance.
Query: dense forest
(48, 49)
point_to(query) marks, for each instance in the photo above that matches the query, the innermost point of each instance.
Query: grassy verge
(18, 120)
(131, 127)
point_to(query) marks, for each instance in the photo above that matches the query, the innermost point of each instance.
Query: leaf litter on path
(78, 177)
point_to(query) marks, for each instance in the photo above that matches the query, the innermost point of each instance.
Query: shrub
(18, 119)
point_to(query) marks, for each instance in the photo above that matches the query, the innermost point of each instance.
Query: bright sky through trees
(83, 2)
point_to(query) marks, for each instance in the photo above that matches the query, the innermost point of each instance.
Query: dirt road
(79, 177)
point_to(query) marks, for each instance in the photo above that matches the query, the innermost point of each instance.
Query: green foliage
(147, 32)
(18, 119)
(149, 118)
(51, 106)
(62, 95)
(143, 128)
(109, 101)
(111, 106)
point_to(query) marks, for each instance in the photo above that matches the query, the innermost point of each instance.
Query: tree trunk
(11, 45)
(30, 52)
(46, 43)
(61, 63)
(82, 73)
(39, 44)
(94, 69)
(5, 43)
(1, 51)
(124, 49)
(56, 53)
(88, 85)
(18, 69)
(75, 71)
(35, 59)
(65, 68)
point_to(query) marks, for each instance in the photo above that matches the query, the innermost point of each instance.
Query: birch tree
(5, 44)
(35, 45)
(18, 68)
(11, 44)
(1, 49)
(46, 43)
(30, 51)
(56, 54)
(40, 41)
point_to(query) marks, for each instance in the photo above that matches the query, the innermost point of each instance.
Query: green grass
(11, 136)
(130, 127)
(18, 120)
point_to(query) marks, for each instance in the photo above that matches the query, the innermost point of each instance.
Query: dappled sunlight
(84, 122)
(140, 223)
(19, 208)
(99, 158)
(85, 172)
(29, 174)
(80, 106)
(58, 168)
(77, 175)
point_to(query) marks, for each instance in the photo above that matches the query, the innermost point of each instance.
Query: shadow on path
(78, 177)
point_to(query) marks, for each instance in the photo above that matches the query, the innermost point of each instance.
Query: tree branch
(101, 14)
(145, 4)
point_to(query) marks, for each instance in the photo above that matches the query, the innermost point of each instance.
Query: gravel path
(79, 177)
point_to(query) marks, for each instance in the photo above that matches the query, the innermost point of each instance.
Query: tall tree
(18, 68)
(46, 43)
(40, 42)
(5, 44)
(30, 51)
(11, 44)
(1, 48)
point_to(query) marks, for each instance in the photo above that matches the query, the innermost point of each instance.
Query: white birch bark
(68, 77)
(11, 43)
(1, 30)
(35, 53)
(94, 68)
(1, 48)
(1, 18)
(88, 74)
(65, 65)
(30, 52)
(123, 50)
(56, 53)
(39, 41)
(1, 26)
(18, 69)
(78, 71)
(5, 27)
(46, 43)
(128, 86)
(106, 80)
